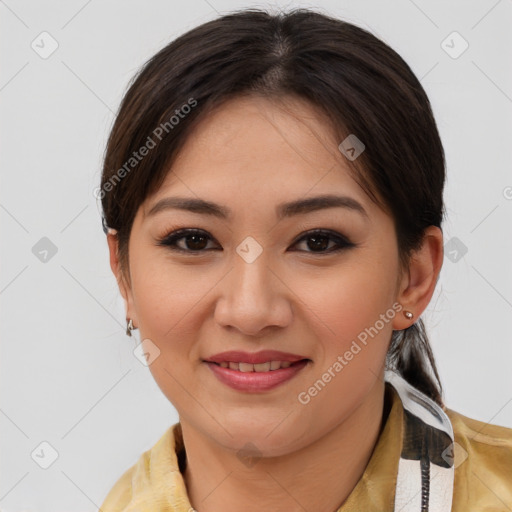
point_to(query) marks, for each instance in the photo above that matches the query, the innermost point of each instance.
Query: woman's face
(254, 278)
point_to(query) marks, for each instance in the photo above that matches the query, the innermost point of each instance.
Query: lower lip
(255, 381)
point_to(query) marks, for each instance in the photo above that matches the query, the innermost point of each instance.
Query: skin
(250, 155)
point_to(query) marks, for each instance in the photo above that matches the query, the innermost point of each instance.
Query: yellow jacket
(482, 482)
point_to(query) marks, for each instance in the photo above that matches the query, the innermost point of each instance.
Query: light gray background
(68, 373)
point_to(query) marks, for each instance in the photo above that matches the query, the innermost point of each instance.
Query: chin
(265, 439)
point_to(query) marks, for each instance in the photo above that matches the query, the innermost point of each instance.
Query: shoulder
(134, 486)
(121, 494)
(483, 465)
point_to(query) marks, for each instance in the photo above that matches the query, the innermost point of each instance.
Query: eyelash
(171, 239)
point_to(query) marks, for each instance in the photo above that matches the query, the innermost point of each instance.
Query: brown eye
(193, 240)
(318, 242)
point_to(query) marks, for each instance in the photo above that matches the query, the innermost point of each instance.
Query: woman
(273, 198)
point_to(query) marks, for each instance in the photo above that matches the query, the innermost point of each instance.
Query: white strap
(408, 493)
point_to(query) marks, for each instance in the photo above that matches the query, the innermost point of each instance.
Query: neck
(319, 476)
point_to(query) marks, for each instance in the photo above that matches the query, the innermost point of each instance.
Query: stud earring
(129, 327)
(408, 315)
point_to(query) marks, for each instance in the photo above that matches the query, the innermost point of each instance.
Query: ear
(124, 286)
(419, 281)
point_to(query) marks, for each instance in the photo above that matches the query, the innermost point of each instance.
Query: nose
(253, 298)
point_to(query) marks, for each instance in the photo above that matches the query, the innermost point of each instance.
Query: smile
(258, 377)
(261, 367)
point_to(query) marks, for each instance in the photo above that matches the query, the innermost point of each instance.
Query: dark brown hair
(362, 85)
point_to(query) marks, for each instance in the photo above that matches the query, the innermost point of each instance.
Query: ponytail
(410, 355)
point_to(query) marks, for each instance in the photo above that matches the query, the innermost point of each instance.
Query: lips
(253, 381)
(269, 366)
(264, 356)
(256, 372)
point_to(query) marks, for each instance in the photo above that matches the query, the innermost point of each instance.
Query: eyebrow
(284, 210)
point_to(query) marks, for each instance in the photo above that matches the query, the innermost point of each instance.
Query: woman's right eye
(195, 240)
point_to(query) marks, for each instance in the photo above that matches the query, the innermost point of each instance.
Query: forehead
(257, 129)
(253, 140)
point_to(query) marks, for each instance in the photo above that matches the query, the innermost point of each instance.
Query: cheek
(353, 316)
(165, 295)
(348, 300)
(166, 301)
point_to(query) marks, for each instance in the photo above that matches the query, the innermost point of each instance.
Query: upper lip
(237, 356)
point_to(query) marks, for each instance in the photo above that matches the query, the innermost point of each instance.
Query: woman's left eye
(320, 239)
(196, 241)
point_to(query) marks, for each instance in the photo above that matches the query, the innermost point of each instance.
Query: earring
(408, 314)
(129, 327)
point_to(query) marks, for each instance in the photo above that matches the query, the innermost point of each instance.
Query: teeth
(274, 365)
(246, 367)
(260, 367)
